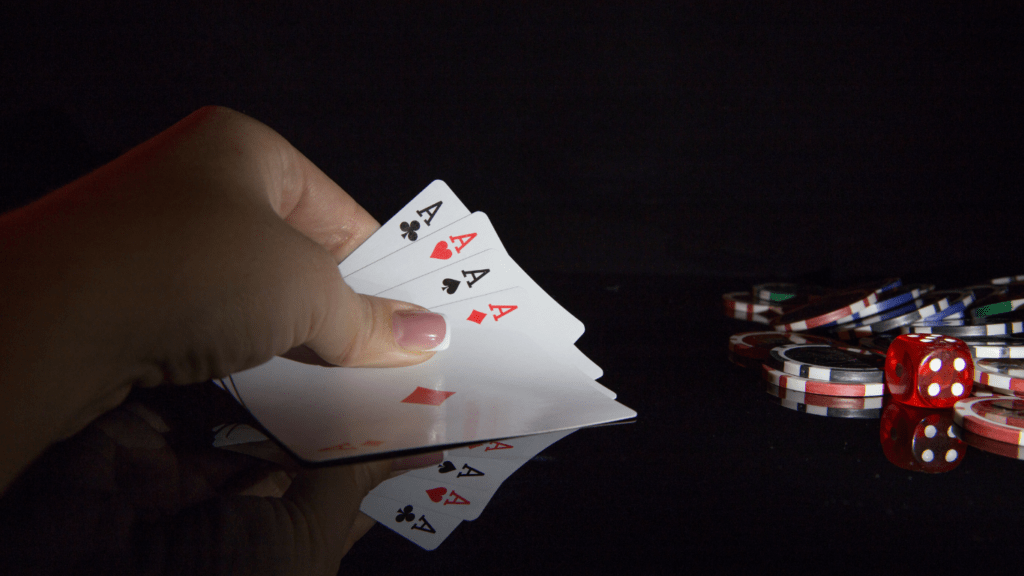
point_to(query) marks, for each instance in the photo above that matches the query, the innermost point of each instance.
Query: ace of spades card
(511, 370)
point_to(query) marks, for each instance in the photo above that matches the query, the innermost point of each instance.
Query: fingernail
(420, 331)
(418, 461)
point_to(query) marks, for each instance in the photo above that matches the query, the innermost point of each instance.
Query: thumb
(365, 331)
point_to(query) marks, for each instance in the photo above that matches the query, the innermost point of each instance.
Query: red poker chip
(790, 400)
(819, 387)
(825, 310)
(843, 402)
(993, 446)
(999, 418)
(757, 345)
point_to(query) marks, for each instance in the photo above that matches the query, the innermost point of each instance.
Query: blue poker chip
(889, 299)
(959, 300)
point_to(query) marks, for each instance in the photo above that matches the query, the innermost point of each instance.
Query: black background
(638, 160)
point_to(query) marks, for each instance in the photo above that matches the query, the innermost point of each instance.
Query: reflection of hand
(134, 494)
(206, 250)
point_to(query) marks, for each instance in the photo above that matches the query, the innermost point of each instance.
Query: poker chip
(745, 302)
(996, 348)
(848, 332)
(980, 390)
(959, 300)
(987, 327)
(826, 363)
(763, 318)
(792, 401)
(926, 306)
(825, 310)
(993, 446)
(997, 308)
(1007, 279)
(888, 300)
(780, 292)
(757, 345)
(817, 387)
(1001, 373)
(845, 402)
(996, 418)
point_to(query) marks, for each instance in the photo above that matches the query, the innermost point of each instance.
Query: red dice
(928, 370)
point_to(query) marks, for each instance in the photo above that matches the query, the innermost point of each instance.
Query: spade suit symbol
(446, 467)
(450, 286)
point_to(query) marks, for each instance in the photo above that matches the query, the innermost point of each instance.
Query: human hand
(204, 251)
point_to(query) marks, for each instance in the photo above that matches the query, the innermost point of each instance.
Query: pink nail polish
(420, 331)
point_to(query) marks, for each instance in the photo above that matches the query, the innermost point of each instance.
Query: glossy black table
(713, 475)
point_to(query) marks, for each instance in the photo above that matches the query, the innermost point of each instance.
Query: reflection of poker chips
(817, 387)
(746, 303)
(764, 318)
(779, 292)
(1000, 373)
(892, 299)
(991, 328)
(828, 363)
(758, 344)
(993, 446)
(928, 304)
(959, 300)
(998, 418)
(825, 310)
(1007, 279)
(996, 347)
(826, 405)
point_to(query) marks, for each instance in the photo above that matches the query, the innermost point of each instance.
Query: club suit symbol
(409, 229)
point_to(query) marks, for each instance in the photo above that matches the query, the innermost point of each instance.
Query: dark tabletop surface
(637, 161)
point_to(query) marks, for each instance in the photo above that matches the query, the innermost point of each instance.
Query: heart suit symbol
(441, 251)
(436, 494)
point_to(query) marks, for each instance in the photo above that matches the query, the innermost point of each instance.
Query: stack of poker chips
(822, 351)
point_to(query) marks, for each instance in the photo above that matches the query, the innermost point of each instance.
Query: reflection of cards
(511, 382)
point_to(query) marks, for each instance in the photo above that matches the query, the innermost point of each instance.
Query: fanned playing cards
(511, 382)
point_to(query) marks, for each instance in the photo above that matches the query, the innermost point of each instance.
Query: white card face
(464, 238)
(488, 384)
(516, 309)
(435, 496)
(483, 273)
(231, 434)
(522, 448)
(432, 209)
(476, 473)
(425, 529)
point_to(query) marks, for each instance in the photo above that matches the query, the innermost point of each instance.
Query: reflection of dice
(920, 439)
(928, 370)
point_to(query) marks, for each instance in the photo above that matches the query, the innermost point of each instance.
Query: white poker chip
(1000, 373)
(996, 347)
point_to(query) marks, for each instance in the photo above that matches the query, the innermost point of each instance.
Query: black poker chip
(828, 363)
